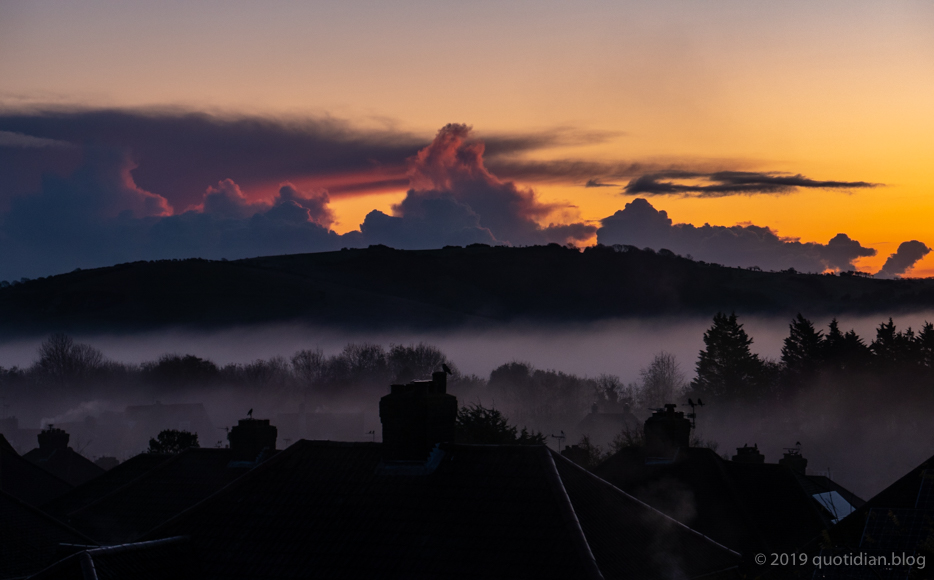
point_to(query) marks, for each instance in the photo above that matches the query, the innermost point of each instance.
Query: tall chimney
(250, 437)
(52, 440)
(416, 416)
(665, 431)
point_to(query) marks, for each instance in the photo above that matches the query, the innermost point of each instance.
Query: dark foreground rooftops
(30, 539)
(165, 490)
(104, 484)
(55, 456)
(165, 559)
(749, 507)
(340, 510)
(26, 481)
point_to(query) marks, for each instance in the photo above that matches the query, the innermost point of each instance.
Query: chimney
(793, 460)
(416, 416)
(747, 454)
(665, 431)
(250, 438)
(52, 440)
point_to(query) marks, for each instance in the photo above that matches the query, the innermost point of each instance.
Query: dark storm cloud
(907, 254)
(726, 183)
(641, 225)
(180, 153)
(99, 215)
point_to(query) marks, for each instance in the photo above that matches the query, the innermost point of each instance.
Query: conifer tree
(802, 354)
(726, 368)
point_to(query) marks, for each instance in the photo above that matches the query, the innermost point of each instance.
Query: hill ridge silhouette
(477, 285)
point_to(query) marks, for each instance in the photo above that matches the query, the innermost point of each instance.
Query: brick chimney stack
(666, 431)
(250, 438)
(416, 416)
(52, 440)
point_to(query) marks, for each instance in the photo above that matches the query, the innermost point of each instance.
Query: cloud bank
(640, 224)
(99, 215)
(94, 188)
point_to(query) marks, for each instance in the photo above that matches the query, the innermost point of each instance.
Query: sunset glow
(834, 92)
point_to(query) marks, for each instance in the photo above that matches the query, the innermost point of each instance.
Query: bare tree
(662, 381)
(309, 366)
(61, 359)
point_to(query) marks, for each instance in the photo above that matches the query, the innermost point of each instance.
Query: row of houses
(117, 435)
(419, 504)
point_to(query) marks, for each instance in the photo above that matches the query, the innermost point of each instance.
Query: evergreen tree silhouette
(802, 354)
(726, 368)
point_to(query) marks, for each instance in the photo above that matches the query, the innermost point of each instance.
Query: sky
(779, 135)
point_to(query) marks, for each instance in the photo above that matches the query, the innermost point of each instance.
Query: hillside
(478, 285)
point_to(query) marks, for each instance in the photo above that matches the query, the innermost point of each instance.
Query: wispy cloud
(726, 183)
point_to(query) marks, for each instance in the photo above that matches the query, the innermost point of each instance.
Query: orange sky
(831, 90)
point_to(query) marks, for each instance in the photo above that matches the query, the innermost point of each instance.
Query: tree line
(727, 370)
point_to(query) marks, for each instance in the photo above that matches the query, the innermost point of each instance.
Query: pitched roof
(5, 445)
(813, 484)
(30, 538)
(899, 519)
(66, 464)
(106, 483)
(26, 481)
(908, 493)
(747, 507)
(337, 510)
(165, 490)
(155, 560)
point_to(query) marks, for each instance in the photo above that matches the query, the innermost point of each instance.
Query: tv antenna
(796, 450)
(560, 439)
(693, 414)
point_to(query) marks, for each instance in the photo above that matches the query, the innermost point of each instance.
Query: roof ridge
(287, 452)
(581, 544)
(48, 517)
(24, 461)
(87, 484)
(639, 501)
(172, 460)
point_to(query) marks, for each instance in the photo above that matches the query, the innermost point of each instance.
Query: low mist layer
(865, 425)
